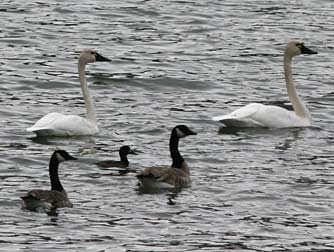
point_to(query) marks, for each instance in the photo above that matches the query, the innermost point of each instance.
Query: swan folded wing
(57, 124)
(45, 121)
(240, 113)
(241, 117)
(278, 117)
(260, 115)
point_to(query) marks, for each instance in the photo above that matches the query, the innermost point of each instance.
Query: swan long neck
(53, 172)
(174, 150)
(299, 108)
(90, 112)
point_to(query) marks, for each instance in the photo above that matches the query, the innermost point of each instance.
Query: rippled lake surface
(173, 62)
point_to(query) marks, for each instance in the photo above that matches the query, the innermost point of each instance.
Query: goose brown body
(57, 196)
(176, 176)
(172, 177)
(55, 199)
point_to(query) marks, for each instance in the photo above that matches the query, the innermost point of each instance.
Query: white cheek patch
(60, 158)
(179, 133)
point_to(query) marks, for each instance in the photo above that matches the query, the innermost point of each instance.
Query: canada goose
(177, 175)
(57, 196)
(124, 151)
(260, 115)
(57, 124)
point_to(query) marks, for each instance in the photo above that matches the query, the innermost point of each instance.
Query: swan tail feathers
(56, 124)
(241, 117)
(45, 122)
(242, 123)
(45, 132)
(220, 118)
(240, 113)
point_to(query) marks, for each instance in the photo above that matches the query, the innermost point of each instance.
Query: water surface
(173, 62)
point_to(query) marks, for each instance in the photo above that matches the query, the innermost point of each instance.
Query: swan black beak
(99, 57)
(306, 50)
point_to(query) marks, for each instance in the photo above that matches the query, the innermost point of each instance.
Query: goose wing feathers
(172, 176)
(158, 173)
(54, 198)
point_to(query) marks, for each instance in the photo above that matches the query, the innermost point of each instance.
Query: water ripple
(174, 62)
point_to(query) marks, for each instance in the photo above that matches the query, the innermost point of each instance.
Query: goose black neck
(124, 159)
(174, 150)
(53, 172)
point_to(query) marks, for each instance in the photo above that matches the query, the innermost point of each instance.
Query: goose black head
(183, 131)
(91, 56)
(63, 156)
(125, 150)
(297, 47)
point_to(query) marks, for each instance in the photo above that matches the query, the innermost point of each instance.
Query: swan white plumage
(57, 124)
(260, 115)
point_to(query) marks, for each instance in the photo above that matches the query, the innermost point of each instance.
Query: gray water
(173, 62)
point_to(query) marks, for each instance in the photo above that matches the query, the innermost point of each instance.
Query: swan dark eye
(300, 45)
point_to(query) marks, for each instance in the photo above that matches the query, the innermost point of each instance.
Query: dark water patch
(63, 10)
(13, 10)
(258, 55)
(274, 10)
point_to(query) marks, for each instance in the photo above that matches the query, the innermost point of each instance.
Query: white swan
(259, 115)
(57, 124)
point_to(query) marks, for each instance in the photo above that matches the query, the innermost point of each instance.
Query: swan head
(295, 48)
(91, 56)
(63, 156)
(183, 131)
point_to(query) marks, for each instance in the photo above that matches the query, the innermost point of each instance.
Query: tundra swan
(260, 115)
(57, 124)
